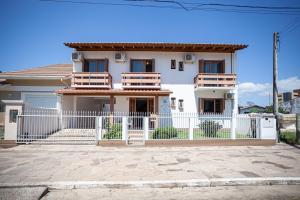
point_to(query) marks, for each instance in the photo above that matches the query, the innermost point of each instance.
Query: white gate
(52, 127)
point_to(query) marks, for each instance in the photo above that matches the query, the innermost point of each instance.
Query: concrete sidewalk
(54, 163)
(213, 193)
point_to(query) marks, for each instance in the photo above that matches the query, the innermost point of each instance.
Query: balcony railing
(215, 80)
(141, 80)
(91, 80)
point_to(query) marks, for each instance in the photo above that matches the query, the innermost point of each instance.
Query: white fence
(88, 127)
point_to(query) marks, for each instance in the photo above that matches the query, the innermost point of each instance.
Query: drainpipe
(62, 80)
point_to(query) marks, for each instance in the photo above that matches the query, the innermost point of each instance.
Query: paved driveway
(35, 163)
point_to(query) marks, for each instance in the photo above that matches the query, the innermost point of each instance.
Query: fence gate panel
(52, 127)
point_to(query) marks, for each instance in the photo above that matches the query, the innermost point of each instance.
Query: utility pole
(275, 80)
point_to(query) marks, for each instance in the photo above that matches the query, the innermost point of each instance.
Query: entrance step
(136, 137)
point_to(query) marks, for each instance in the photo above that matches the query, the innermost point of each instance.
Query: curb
(65, 185)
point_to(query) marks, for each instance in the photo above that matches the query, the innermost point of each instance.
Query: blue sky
(33, 32)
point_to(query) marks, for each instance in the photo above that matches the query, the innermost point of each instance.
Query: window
(173, 64)
(141, 65)
(173, 103)
(180, 66)
(211, 66)
(213, 105)
(96, 65)
(13, 116)
(180, 105)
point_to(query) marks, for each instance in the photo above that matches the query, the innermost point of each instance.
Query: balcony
(91, 80)
(204, 80)
(141, 80)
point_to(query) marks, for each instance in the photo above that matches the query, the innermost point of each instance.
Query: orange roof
(141, 46)
(120, 92)
(56, 70)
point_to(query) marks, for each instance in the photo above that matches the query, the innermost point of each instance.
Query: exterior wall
(162, 64)
(181, 83)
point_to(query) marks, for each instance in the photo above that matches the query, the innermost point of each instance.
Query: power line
(182, 5)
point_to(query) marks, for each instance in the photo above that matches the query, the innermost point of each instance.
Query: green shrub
(288, 137)
(165, 133)
(114, 132)
(210, 128)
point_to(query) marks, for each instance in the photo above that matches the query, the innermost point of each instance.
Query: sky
(32, 33)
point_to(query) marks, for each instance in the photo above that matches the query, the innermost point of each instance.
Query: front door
(139, 108)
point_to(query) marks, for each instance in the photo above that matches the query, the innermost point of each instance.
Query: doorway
(140, 108)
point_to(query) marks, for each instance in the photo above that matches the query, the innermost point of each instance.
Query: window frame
(13, 113)
(145, 60)
(202, 102)
(86, 66)
(173, 64)
(180, 66)
(203, 62)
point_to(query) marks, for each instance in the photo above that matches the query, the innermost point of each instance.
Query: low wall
(287, 122)
(223, 142)
(109, 143)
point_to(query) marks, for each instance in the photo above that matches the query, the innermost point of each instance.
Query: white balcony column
(191, 133)
(146, 127)
(124, 128)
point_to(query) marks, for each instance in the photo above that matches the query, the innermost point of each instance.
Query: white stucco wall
(181, 83)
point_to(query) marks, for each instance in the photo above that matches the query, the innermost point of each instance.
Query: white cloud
(264, 89)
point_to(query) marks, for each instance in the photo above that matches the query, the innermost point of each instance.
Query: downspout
(63, 82)
(231, 61)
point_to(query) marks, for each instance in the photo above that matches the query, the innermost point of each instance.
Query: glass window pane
(212, 67)
(92, 66)
(101, 66)
(138, 66)
(13, 116)
(209, 106)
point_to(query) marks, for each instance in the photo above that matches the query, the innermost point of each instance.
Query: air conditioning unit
(77, 57)
(120, 57)
(229, 95)
(189, 58)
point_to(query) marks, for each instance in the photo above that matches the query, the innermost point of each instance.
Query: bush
(165, 133)
(210, 128)
(114, 132)
(288, 137)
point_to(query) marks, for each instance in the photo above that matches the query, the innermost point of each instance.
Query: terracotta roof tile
(49, 70)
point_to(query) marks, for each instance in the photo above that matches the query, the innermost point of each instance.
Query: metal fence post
(124, 128)
(98, 128)
(233, 127)
(146, 128)
(191, 133)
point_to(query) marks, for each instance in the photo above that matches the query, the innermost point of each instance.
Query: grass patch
(288, 137)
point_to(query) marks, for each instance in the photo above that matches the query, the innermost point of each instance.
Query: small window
(173, 103)
(180, 105)
(180, 66)
(13, 116)
(173, 64)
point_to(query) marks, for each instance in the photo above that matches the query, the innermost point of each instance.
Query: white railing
(88, 127)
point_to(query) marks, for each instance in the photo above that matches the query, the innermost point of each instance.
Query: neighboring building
(287, 96)
(251, 109)
(34, 86)
(133, 77)
(291, 106)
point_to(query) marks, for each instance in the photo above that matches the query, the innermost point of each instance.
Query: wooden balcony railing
(141, 80)
(91, 80)
(215, 80)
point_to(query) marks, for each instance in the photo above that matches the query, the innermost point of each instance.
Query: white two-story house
(152, 77)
